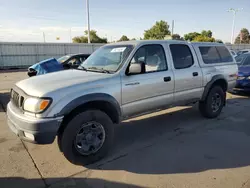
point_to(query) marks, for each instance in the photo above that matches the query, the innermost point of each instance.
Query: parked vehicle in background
(243, 80)
(73, 60)
(243, 51)
(234, 54)
(53, 65)
(44, 67)
(117, 82)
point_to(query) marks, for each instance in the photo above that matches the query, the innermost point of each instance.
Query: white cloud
(54, 29)
(35, 34)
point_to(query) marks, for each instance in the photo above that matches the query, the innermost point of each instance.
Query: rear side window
(224, 54)
(182, 56)
(209, 54)
(215, 54)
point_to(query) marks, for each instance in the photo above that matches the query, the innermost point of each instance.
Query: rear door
(187, 72)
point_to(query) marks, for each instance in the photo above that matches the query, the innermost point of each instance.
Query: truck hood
(40, 85)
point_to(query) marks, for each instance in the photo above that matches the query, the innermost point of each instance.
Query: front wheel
(214, 102)
(88, 137)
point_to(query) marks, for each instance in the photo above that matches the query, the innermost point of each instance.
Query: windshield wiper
(82, 68)
(102, 70)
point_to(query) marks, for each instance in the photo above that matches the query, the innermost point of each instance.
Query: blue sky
(26, 20)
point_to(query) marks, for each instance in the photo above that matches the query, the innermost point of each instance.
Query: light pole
(234, 11)
(44, 40)
(70, 35)
(87, 4)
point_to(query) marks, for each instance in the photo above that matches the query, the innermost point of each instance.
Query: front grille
(16, 98)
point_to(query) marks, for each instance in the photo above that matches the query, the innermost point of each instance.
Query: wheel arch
(218, 80)
(99, 101)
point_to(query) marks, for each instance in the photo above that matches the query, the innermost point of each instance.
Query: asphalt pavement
(172, 148)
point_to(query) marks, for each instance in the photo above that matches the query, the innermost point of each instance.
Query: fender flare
(210, 84)
(91, 98)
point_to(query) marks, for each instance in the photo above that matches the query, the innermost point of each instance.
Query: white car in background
(243, 51)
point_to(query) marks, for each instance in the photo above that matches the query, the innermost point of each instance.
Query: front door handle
(195, 74)
(167, 79)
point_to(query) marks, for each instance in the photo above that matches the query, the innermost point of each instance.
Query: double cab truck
(118, 81)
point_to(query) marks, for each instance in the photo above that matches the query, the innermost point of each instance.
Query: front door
(150, 89)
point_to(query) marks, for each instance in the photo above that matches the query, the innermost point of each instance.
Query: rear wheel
(88, 137)
(214, 102)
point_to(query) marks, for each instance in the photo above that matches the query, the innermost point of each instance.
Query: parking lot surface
(172, 148)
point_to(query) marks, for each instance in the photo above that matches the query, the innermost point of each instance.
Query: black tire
(67, 138)
(206, 108)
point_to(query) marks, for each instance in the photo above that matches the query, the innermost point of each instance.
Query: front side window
(74, 61)
(63, 59)
(108, 58)
(209, 54)
(83, 58)
(151, 57)
(182, 56)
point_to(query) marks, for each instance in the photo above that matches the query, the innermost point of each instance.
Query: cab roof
(141, 42)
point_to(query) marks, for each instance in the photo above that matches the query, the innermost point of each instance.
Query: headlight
(248, 77)
(36, 105)
(240, 78)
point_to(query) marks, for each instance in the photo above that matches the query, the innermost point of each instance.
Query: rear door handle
(195, 74)
(167, 79)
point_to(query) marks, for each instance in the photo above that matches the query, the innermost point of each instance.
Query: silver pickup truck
(117, 82)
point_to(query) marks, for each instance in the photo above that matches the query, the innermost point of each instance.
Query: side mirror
(135, 68)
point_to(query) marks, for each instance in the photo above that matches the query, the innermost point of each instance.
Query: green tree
(157, 31)
(133, 39)
(191, 36)
(201, 38)
(94, 38)
(245, 37)
(207, 33)
(124, 38)
(176, 37)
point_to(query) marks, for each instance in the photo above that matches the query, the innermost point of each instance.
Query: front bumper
(39, 131)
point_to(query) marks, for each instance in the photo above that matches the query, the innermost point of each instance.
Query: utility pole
(87, 4)
(172, 32)
(234, 11)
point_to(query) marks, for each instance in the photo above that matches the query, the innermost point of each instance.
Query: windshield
(107, 58)
(239, 59)
(63, 59)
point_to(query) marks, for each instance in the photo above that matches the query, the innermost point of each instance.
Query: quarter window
(215, 54)
(224, 54)
(152, 58)
(182, 56)
(209, 54)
